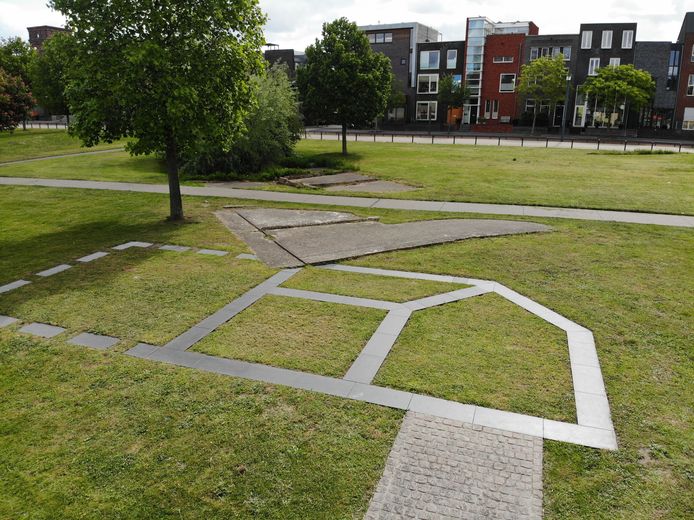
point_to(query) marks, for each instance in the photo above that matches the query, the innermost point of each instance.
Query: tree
(452, 94)
(273, 128)
(344, 82)
(49, 73)
(543, 79)
(624, 84)
(16, 57)
(174, 76)
(15, 101)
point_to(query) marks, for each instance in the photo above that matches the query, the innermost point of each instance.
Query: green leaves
(624, 83)
(50, 71)
(544, 79)
(15, 101)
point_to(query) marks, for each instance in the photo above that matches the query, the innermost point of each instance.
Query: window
(380, 38)
(529, 105)
(606, 40)
(372, 38)
(586, 39)
(452, 58)
(426, 110)
(536, 52)
(457, 79)
(403, 61)
(593, 66)
(487, 109)
(428, 84)
(627, 39)
(692, 58)
(688, 119)
(614, 62)
(507, 82)
(673, 70)
(503, 59)
(429, 60)
(495, 109)
(388, 38)
(690, 85)
(566, 51)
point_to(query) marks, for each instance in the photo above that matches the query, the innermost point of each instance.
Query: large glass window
(452, 58)
(614, 62)
(429, 59)
(627, 39)
(690, 85)
(606, 40)
(428, 84)
(503, 59)
(388, 37)
(673, 70)
(593, 66)
(380, 38)
(507, 82)
(586, 39)
(426, 110)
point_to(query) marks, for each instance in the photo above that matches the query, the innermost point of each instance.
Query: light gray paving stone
(7, 320)
(13, 285)
(442, 299)
(323, 384)
(95, 341)
(128, 245)
(187, 339)
(582, 435)
(176, 357)
(333, 298)
(142, 350)
(229, 367)
(508, 421)
(442, 408)
(582, 351)
(389, 272)
(393, 324)
(54, 270)
(42, 330)
(92, 257)
(379, 344)
(588, 379)
(247, 256)
(593, 410)
(364, 368)
(213, 252)
(177, 249)
(378, 395)
(537, 309)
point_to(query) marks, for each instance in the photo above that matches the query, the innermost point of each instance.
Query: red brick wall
(687, 68)
(498, 45)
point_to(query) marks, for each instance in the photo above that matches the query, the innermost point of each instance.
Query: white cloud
(298, 23)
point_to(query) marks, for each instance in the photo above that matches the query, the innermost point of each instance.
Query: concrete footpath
(369, 202)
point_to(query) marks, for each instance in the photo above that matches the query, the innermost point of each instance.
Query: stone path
(367, 202)
(49, 157)
(444, 469)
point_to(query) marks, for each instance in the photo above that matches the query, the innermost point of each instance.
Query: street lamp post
(566, 106)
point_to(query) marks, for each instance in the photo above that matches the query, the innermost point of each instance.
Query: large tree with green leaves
(15, 101)
(543, 80)
(172, 75)
(452, 94)
(16, 57)
(344, 81)
(623, 85)
(49, 73)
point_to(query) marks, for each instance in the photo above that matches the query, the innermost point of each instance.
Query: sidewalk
(368, 202)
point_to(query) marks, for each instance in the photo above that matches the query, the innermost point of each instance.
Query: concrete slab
(7, 320)
(92, 257)
(320, 181)
(270, 218)
(378, 395)
(364, 369)
(583, 435)
(42, 330)
(442, 408)
(177, 249)
(13, 285)
(247, 256)
(321, 244)
(508, 421)
(128, 245)
(333, 298)
(593, 410)
(93, 341)
(212, 252)
(374, 187)
(54, 270)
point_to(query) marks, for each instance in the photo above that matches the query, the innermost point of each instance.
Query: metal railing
(44, 124)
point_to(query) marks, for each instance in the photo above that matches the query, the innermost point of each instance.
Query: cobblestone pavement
(439, 469)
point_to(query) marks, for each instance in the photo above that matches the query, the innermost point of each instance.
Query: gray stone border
(594, 428)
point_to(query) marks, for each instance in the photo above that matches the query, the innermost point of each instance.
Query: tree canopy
(543, 79)
(452, 93)
(174, 76)
(16, 57)
(344, 81)
(15, 101)
(49, 72)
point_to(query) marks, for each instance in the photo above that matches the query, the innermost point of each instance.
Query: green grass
(323, 338)
(136, 295)
(93, 435)
(485, 351)
(367, 285)
(31, 144)
(64, 409)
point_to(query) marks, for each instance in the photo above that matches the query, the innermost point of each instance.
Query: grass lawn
(485, 351)
(367, 285)
(137, 295)
(323, 338)
(86, 432)
(30, 144)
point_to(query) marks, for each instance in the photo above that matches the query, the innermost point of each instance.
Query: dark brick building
(434, 61)
(656, 57)
(684, 110)
(286, 57)
(40, 33)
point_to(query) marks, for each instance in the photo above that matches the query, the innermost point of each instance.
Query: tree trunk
(532, 130)
(626, 117)
(175, 201)
(344, 138)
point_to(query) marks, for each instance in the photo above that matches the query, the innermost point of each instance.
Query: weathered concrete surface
(238, 184)
(269, 218)
(322, 181)
(444, 469)
(267, 250)
(374, 187)
(332, 242)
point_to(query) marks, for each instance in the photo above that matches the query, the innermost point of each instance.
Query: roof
(48, 27)
(687, 26)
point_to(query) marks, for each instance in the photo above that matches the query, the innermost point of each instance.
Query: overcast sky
(297, 23)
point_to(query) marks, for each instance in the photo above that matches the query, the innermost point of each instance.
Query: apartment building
(661, 60)
(684, 107)
(40, 33)
(434, 61)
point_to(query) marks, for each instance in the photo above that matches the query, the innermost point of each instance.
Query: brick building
(39, 34)
(434, 61)
(684, 110)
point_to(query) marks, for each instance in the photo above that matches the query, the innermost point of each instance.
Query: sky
(297, 23)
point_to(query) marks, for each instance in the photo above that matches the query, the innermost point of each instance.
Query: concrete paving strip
(321, 244)
(42, 330)
(54, 270)
(321, 181)
(271, 218)
(657, 219)
(374, 187)
(128, 245)
(7, 320)
(92, 257)
(13, 285)
(94, 341)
